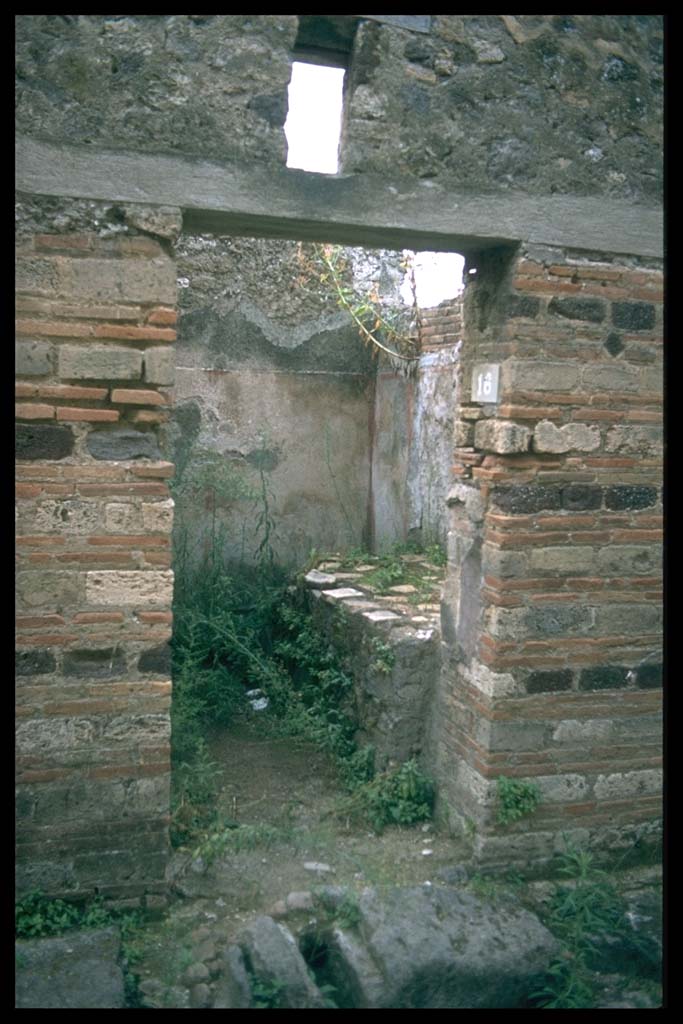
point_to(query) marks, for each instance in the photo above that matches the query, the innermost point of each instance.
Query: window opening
(437, 276)
(313, 125)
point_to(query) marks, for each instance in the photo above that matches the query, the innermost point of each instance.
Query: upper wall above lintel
(344, 209)
(534, 104)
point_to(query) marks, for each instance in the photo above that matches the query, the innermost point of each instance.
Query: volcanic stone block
(122, 445)
(106, 663)
(633, 316)
(157, 660)
(37, 662)
(43, 441)
(623, 497)
(575, 308)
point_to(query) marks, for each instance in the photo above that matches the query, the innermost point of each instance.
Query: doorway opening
(312, 431)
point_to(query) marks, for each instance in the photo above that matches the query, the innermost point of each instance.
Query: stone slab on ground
(70, 972)
(273, 956)
(436, 947)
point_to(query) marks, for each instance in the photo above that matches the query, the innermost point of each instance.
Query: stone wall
(412, 428)
(273, 379)
(94, 360)
(546, 104)
(210, 85)
(552, 609)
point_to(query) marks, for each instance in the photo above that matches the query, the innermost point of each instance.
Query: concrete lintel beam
(344, 209)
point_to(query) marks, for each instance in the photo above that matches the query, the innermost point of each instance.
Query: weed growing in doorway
(249, 628)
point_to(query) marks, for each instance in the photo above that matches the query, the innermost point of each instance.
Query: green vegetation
(36, 915)
(267, 995)
(516, 799)
(585, 913)
(239, 628)
(398, 796)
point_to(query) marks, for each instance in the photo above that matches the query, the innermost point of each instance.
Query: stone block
(581, 497)
(550, 681)
(503, 563)
(626, 497)
(578, 308)
(603, 677)
(122, 445)
(638, 440)
(39, 588)
(628, 619)
(539, 375)
(627, 785)
(652, 379)
(157, 516)
(110, 587)
(33, 358)
(101, 280)
(318, 580)
(37, 662)
(649, 677)
(572, 437)
(471, 498)
(463, 434)
(160, 365)
(558, 620)
(611, 377)
(156, 660)
(558, 789)
(137, 729)
(434, 947)
(97, 362)
(70, 516)
(77, 971)
(43, 441)
(567, 560)
(630, 559)
(164, 221)
(519, 305)
(506, 623)
(493, 684)
(587, 731)
(633, 316)
(274, 957)
(526, 498)
(106, 663)
(513, 736)
(501, 436)
(123, 517)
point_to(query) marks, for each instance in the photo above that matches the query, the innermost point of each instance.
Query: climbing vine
(394, 331)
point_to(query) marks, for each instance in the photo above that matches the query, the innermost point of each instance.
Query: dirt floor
(287, 792)
(290, 786)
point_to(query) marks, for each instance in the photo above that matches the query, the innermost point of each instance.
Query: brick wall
(94, 359)
(553, 610)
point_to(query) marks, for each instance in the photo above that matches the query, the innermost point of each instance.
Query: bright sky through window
(438, 276)
(313, 123)
(312, 128)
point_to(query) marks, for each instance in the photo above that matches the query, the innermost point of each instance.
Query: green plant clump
(398, 796)
(516, 799)
(585, 911)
